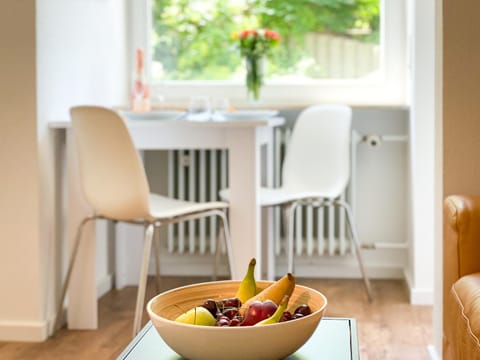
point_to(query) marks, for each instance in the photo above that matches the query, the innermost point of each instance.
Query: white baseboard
(31, 331)
(419, 296)
(333, 267)
(104, 285)
(310, 267)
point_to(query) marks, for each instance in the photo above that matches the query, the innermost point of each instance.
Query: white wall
(422, 60)
(425, 171)
(81, 55)
(81, 59)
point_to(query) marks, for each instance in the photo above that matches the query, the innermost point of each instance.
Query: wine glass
(199, 108)
(221, 106)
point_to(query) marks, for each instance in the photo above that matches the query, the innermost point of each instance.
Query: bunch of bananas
(279, 292)
(250, 306)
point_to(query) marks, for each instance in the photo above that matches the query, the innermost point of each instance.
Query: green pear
(197, 316)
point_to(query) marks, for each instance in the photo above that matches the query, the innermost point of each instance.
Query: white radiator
(195, 175)
(198, 175)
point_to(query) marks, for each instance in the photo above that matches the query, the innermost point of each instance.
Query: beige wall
(21, 313)
(460, 114)
(461, 97)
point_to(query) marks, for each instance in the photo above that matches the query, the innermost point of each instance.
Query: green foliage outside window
(191, 39)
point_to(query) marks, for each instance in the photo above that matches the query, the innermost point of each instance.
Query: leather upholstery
(461, 278)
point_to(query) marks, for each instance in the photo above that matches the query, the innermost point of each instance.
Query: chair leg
(285, 219)
(290, 211)
(228, 244)
(156, 250)
(356, 243)
(217, 253)
(73, 256)
(142, 285)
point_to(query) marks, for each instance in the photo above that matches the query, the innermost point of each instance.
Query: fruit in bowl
(275, 340)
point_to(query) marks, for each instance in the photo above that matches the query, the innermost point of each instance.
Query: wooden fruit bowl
(268, 342)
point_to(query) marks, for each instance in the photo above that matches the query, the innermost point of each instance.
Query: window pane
(320, 39)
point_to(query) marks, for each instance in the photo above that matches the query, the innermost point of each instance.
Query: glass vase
(254, 78)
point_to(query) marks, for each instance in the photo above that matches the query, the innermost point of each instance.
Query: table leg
(244, 183)
(82, 294)
(268, 213)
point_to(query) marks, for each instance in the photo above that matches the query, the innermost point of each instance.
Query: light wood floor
(388, 328)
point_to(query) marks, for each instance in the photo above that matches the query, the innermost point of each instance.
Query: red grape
(223, 322)
(235, 321)
(230, 312)
(303, 309)
(229, 303)
(286, 316)
(211, 306)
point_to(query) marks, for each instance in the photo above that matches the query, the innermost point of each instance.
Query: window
(320, 40)
(351, 51)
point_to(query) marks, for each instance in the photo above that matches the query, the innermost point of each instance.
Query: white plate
(152, 115)
(250, 114)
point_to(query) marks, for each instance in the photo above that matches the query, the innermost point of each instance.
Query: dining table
(243, 138)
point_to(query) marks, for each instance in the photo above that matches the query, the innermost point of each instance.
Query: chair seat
(162, 207)
(277, 196)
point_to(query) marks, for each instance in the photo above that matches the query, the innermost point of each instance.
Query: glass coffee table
(334, 338)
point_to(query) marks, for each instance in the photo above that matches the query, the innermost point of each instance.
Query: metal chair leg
(228, 244)
(142, 285)
(290, 227)
(357, 246)
(284, 210)
(217, 253)
(156, 250)
(73, 256)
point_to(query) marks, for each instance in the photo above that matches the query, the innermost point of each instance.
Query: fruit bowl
(268, 342)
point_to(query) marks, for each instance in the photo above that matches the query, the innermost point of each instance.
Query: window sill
(284, 96)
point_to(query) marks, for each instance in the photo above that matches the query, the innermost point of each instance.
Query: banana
(275, 292)
(248, 286)
(277, 315)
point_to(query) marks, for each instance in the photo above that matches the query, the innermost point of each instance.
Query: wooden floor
(388, 328)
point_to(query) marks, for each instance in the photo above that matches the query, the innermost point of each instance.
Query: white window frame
(390, 89)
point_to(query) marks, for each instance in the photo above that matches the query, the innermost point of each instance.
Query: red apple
(258, 311)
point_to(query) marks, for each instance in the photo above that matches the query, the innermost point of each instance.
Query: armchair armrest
(461, 257)
(461, 237)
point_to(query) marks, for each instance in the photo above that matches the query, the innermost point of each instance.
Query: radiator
(198, 175)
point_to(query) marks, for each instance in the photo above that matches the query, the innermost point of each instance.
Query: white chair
(316, 171)
(116, 187)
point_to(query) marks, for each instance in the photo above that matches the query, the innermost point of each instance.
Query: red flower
(256, 42)
(272, 34)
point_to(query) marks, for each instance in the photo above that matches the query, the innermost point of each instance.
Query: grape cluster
(225, 311)
(301, 311)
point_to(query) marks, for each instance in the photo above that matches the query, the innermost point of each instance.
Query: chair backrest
(318, 155)
(112, 174)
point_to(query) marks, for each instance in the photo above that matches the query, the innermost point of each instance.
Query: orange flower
(256, 43)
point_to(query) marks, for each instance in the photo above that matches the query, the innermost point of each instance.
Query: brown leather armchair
(461, 278)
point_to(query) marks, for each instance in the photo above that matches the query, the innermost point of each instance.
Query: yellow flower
(234, 35)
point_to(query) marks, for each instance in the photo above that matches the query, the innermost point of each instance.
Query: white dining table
(242, 138)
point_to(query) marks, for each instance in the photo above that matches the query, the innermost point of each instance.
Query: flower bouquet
(254, 45)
